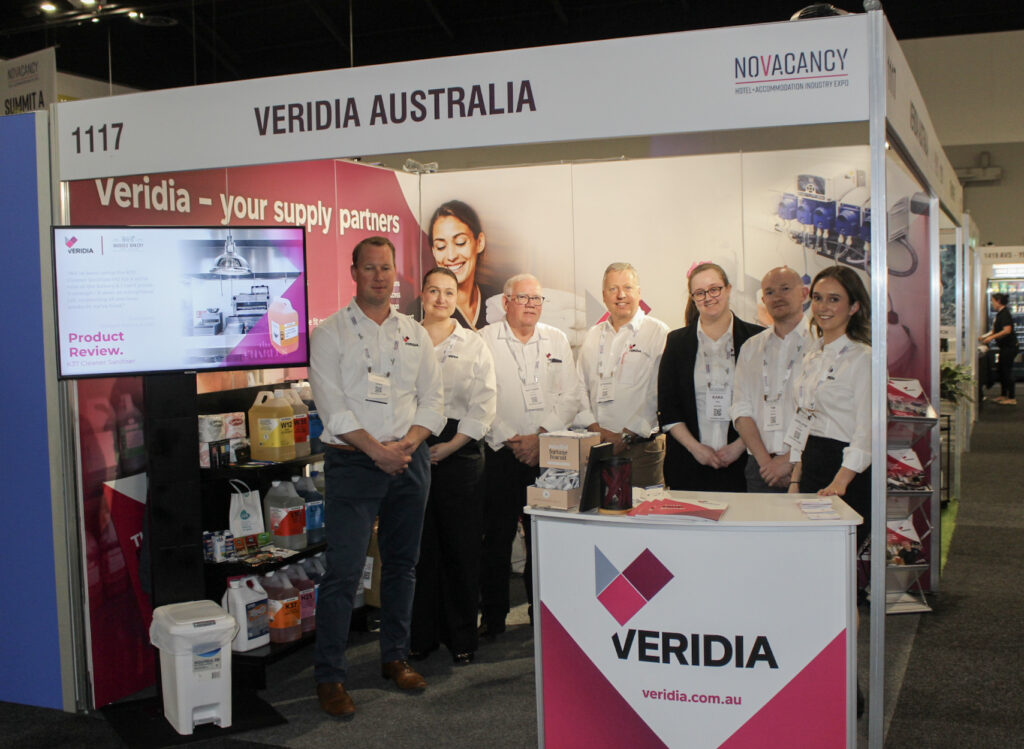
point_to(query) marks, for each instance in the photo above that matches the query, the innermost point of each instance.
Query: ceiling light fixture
(48, 7)
(133, 14)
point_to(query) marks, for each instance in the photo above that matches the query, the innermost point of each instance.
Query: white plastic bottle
(247, 602)
(285, 514)
(314, 508)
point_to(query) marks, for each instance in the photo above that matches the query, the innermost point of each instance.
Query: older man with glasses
(537, 392)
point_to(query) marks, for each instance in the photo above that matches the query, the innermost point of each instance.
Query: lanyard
(521, 368)
(785, 378)
(821, 378)
(600, 353)
(447, 350)
(366, 348)
(730, 357)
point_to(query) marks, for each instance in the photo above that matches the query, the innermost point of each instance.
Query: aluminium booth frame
(577, 92)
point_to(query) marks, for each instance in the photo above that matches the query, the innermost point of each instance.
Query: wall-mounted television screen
(137, 300)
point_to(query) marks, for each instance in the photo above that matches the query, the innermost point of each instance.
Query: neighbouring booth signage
(29, 82)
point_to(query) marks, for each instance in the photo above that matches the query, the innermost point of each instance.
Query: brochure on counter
(685, 510)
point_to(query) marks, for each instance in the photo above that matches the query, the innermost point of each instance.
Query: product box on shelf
(566, 449)
(558, 499)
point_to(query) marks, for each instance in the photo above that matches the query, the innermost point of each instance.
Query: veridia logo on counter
(624, 593)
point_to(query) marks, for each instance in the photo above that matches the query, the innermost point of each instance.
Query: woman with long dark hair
(703, 451)
(830, 439)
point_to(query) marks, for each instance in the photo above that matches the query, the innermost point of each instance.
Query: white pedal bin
(194, 639)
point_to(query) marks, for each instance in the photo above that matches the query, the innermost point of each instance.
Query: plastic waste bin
(194, 639)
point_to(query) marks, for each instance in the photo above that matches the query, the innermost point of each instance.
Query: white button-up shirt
(765, 371)
(339, 369)
(835, 384)
(720, 356)
(470, 389)
(630, 359)
(545, 360)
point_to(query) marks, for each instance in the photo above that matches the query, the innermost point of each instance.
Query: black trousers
(448, 573)
(1006, 379)
(505, 482)
(822, 459)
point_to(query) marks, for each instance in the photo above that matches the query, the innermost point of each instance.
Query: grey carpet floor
(964, 683)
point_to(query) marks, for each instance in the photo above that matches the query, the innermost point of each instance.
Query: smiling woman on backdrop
(457, 241)
(447, 575)
(703, 452)
(830, 438)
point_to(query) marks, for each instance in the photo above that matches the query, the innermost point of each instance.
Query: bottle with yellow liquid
(271, 428)
(283, 323)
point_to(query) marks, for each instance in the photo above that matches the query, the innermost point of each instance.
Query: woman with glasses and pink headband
(703, 451)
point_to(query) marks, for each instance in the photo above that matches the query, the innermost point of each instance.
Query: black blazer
(677, 402)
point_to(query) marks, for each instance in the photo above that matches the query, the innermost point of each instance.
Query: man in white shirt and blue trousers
(378, 388)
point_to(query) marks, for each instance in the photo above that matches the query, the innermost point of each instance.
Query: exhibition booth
(751, 147)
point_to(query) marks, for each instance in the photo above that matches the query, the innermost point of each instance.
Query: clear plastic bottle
(314, 508)
(284, 608)
(285, 514)
(307, 595)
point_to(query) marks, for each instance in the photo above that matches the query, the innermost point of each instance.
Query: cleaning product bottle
(283, 322)
(285, 514)
(300, 420)
(314, 508)
(316, 424)
(314, 572)
(271, 428)
(246, 601)
(307, 595)
(131, 444)
(283, 606)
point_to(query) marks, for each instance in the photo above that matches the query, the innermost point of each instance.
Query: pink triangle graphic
(810, 711)
(581, 707)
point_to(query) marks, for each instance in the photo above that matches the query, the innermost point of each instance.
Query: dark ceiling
(184, 42)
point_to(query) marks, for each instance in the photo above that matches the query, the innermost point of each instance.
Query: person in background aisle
(618, 371)
(703, 452)
(537, 392)
(1006, 338)
(762, 402)
(448, 574)
(830, 434)
(378, 387)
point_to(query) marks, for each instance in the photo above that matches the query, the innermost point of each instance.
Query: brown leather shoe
(334, 699)
(404, 675)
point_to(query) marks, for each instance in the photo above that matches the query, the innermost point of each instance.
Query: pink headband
(699, 262)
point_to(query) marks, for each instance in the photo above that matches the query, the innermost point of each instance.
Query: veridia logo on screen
(624, 593)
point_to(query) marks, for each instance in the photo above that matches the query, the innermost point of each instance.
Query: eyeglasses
(714, 292)
(523, 299)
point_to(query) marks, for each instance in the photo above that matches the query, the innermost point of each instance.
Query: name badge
(378, 389)
(799, 431)
(718, 402)
(772, 416)
(606, 390)
(533, 396)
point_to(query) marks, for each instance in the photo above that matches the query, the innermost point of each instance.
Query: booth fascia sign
(847, 69)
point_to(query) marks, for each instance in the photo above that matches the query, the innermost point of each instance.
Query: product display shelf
(903, 591)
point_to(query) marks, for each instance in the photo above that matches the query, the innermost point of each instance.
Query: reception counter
(658, 632)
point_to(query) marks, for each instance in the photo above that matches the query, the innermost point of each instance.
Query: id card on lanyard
(719, 397)
(773, 405)
(378, 388)
(533, 394)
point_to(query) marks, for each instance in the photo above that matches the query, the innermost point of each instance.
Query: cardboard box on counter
(568, 450)
(557, 499)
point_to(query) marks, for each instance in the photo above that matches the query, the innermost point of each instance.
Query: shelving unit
(903, 591)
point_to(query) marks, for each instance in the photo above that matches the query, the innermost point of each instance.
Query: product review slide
(165, 299)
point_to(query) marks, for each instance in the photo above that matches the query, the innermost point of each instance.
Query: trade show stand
(733, 633)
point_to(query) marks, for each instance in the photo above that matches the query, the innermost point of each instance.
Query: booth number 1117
(92, 134)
